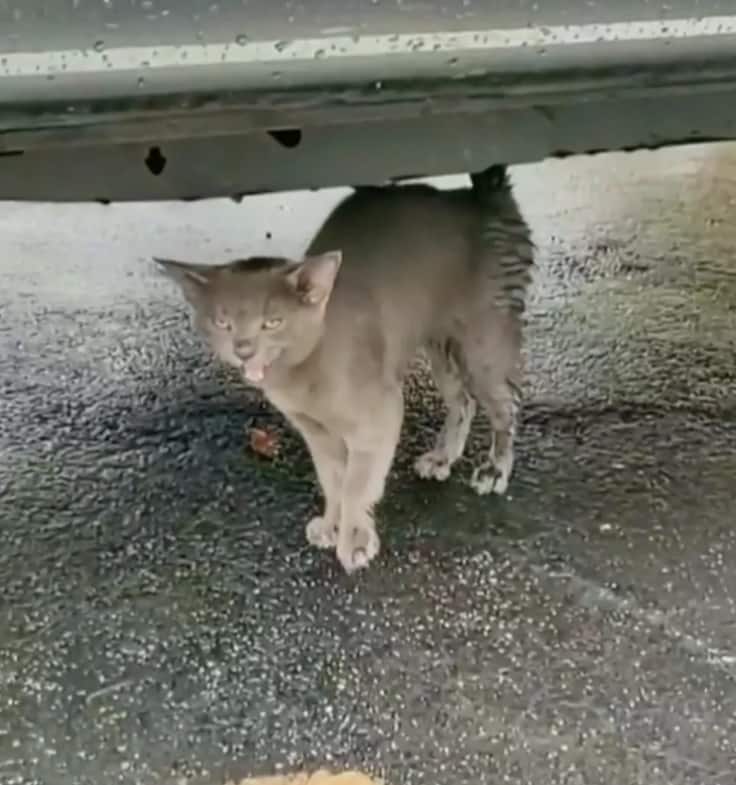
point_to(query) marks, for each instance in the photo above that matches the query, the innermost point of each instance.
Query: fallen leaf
(346, 778)
(321, 777)
(264, 443)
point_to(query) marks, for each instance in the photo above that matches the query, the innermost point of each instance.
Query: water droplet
(452, 61)
(319, 54)
(279, 46)
(146, 5)
(141, 81)
(378, 85)
(276, 74)
(241, 40)
(99, 46)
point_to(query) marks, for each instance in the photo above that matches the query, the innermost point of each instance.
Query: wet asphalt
(162, 619)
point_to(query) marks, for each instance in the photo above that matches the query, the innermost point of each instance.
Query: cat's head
(261, 313)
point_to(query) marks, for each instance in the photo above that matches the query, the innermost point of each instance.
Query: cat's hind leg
(494, 367)
(494, 472)
(450, 443)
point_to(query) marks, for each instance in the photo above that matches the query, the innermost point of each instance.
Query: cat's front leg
(371, 452)
(329, 456)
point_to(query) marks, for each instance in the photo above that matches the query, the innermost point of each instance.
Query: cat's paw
(357, 545)
(432, 465)
(488, 478)
(321, 532)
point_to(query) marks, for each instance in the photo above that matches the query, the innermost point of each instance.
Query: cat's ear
(314, 278)
(192, 278)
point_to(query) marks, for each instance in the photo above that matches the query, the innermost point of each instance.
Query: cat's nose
(244, 349)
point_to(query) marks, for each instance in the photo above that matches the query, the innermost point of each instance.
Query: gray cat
(329, 338)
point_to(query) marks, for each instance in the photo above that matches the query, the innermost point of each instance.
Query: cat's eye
(221, 322)
(273, 323)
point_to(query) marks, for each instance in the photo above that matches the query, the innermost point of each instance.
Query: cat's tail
(506, 244)
(490, 181)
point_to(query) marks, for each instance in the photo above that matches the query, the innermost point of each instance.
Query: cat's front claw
(357, 546)
(321, 533)
(432, 465)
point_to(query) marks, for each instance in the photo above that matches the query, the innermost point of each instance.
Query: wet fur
(443, 271)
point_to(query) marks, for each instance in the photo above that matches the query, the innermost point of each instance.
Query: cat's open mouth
(254, 370)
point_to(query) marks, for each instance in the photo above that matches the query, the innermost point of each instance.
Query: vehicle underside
(124, 103)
